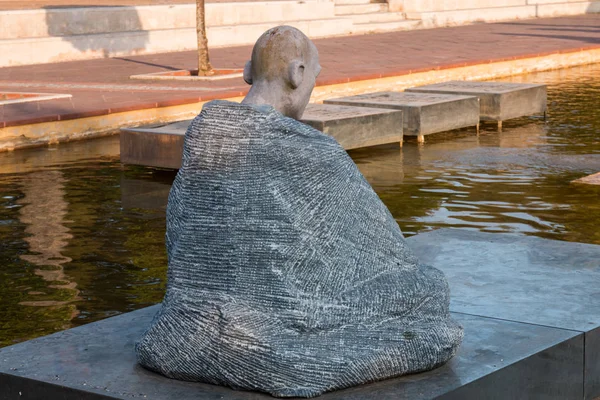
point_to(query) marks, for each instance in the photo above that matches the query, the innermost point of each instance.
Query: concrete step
(248, 34)
(545, 8)
(433, 19)
(351, 2)
(356, 2)
(22, 24)
(454, 5)
(380, 27)
(567, 8)
(85, 47)
(360, 9)
(378, 17)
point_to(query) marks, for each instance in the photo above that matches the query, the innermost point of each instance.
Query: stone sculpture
(287, 274)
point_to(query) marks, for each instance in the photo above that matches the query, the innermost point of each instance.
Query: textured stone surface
(354, 127)
(497, 360)
(499, 101)
(287, 274)
(522, 278)
(424, 113)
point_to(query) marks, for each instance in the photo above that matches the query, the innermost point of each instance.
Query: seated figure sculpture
(287, 274)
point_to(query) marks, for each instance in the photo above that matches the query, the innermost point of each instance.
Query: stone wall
(435, 13)
(67, 34)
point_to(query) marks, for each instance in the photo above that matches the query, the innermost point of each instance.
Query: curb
(104, 122)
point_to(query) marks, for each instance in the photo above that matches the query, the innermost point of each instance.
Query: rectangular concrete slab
(497, 360)
(157, 145)
(499, 101)
(354, 128)
(161, 145)
(524, 279)
(424, 113)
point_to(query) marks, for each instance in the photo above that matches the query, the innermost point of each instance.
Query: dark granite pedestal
(523, 278)
(530, 308)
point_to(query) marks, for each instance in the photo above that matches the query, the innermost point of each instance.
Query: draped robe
(287, 274)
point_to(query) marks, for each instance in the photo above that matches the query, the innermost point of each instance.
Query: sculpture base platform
(424, 113)
(499, 101)
(529, 307)
(161, 145)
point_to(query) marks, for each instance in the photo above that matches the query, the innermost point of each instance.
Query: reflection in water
(144, 194)
(384, 168)
(43, 212)
(72, 213)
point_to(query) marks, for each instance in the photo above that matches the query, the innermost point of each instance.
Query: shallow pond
(82, 236)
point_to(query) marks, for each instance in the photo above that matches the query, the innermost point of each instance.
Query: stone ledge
(522, 278)
(499, 358)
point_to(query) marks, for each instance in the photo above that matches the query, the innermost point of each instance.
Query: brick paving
(100, 87)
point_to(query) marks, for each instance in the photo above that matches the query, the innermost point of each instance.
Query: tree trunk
(204, 67)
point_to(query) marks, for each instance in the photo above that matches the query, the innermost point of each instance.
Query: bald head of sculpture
(282, 71)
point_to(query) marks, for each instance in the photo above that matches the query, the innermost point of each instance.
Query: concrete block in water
(424, 113)
(499, 101)
(157, 145)
(161, 145)
(355, 127)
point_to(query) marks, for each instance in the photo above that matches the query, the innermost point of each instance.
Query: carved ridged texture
(287, 274)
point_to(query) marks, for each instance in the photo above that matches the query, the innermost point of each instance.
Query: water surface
(82, 236)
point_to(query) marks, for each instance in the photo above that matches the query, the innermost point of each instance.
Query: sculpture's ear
(248, 73)
(296, 73)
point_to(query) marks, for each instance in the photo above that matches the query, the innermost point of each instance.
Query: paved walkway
(100, 87)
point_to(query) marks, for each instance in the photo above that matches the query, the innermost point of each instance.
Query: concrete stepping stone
(499, 101)
(529, 307)
(161, 145)
(156, 145)
(424, 113)
(354, 128)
